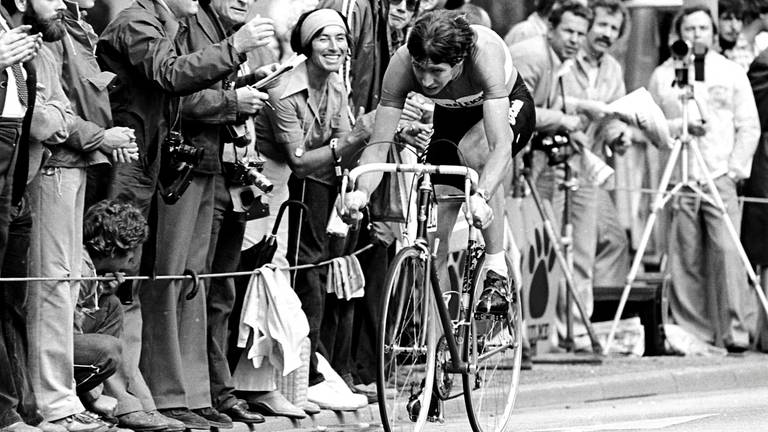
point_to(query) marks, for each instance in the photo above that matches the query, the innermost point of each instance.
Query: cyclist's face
(433, 77)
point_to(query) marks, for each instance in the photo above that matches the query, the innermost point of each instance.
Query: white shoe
(339, 385)
(326, 396)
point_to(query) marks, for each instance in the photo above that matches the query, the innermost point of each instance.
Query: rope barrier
(648, 191)
(178, 277)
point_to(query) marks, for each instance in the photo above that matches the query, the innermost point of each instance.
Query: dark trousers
(366, 320)
(308, 243)
(223, 257)
(17, 400)
(10, 130)
(98, 351)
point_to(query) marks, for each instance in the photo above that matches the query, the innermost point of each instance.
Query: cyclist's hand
(416, 134)
(411, 110)
(351, 210)
(480, 211)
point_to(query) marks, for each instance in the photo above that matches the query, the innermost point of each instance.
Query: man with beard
(57, 227)
(546, 64)
(138, 46)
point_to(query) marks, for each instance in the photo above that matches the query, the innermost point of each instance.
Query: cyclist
(467, 71)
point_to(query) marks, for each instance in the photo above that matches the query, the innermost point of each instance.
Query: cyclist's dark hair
(613, 6)
(441, 36)
(574, 7)
(678, 23)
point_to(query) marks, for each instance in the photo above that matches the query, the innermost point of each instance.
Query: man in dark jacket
(151, 73)
(203, 116)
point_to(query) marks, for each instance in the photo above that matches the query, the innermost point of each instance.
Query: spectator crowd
(172, 142)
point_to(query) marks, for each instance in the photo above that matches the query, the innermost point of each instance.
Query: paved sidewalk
(563, 384)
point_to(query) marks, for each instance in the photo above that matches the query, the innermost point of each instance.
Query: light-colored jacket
(725, 99)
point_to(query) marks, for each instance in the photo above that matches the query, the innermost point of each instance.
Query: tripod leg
(658, 204)
(754, 281)
(549, 230)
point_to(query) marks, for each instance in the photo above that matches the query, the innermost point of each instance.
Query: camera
(248, 174)
(557, 146)
(685, 53)
(179, 159)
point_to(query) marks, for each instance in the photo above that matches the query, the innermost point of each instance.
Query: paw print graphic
(541, 260)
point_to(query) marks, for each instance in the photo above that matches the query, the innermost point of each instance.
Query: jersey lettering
(514, 110)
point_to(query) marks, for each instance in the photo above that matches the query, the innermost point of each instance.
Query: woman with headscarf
(308, 125)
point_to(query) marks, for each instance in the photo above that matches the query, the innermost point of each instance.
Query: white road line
(632, 425)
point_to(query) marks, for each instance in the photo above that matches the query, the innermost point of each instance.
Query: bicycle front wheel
(406, 344)
(493, 350)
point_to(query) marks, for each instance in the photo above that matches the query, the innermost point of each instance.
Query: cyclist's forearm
(383, 132)
(499, 138)
(498, 165)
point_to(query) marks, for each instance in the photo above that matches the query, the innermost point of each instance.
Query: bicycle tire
(404, 378)
(491, 389)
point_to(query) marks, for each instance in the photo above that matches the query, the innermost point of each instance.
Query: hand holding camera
(250, 100)
(256, 33)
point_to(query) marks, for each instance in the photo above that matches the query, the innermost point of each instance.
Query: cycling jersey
(488, 73)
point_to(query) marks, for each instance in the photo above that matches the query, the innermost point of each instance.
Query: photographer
(207, 118)
(545, 63)
(138, 46)
(309, 126)
(707, 273)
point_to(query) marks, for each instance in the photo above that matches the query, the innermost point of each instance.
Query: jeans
(17, 400)
(710, 294)
(223, 257)
(174, 360)
(57, 197)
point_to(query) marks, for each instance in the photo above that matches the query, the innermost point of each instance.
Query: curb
(639, 384)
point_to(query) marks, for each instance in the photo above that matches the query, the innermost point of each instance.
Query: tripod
(564, 258)
(680, 151)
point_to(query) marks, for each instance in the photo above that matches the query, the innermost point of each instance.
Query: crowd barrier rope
(176, 277)
(648, 191)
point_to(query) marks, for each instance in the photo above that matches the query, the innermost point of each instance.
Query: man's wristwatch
(484, 194)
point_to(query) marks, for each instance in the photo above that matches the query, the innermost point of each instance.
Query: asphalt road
(727, 411)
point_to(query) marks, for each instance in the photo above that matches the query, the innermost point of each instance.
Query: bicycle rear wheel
(406, 344)
(493, 349)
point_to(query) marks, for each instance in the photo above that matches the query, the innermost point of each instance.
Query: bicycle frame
(424, 208)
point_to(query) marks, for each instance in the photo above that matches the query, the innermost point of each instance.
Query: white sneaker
(326, 396)
(339, 385)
